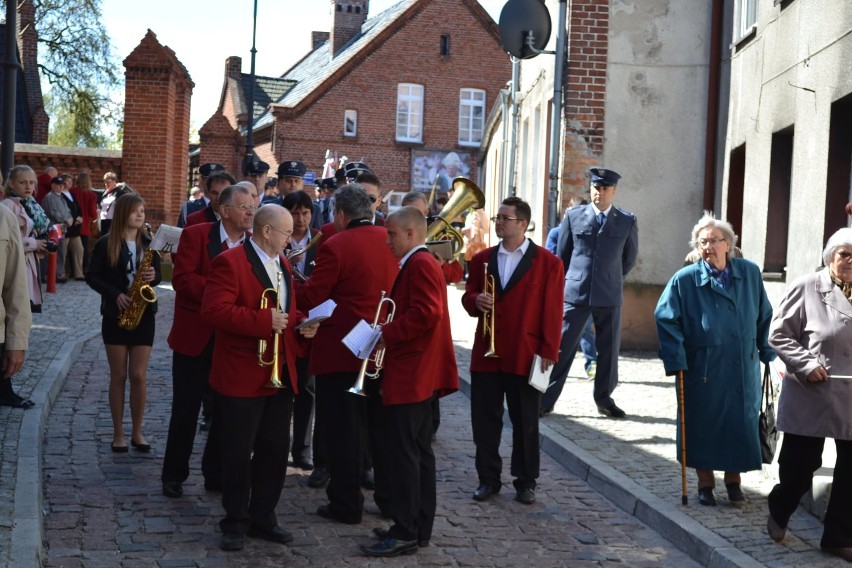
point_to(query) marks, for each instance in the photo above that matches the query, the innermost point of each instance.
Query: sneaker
(590, 372)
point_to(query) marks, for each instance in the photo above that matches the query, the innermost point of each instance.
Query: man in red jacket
(255, 442)
(191, 339)
(419, 363)
(352, 268)
(527, 321)
(214, 185)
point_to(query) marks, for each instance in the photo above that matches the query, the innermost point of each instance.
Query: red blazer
(453, 271)
(419, 357)
(88, 201)
(43, 187)
(198, 246)
(328, 231)
(206, 215)
(352, 268)
(528, 310)
(231, 305)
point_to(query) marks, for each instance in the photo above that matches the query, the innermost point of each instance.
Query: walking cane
(684, 499)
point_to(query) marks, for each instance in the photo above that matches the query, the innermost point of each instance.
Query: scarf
(723, 277)
(41, 223)
(845, 287)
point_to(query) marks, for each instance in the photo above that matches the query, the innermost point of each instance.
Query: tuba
(379, 356)
(141, 294)
(275, 378)
(466, 195)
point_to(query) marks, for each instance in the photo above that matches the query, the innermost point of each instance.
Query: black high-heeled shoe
(144, 448)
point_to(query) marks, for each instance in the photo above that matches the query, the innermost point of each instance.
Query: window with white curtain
(471, 116)
(409, 112)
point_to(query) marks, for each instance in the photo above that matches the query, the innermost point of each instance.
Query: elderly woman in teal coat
(713, 323)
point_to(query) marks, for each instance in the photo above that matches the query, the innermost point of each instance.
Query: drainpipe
(553, 208)
(711, 136)
(10, 79)
(511, 181)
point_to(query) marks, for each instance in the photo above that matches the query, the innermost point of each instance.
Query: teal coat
(718, 338)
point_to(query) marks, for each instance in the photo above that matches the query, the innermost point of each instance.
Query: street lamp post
(249, 159)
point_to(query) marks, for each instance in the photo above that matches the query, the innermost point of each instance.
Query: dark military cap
(327, 183)
(352, 169)
(292, 169)
(257, 168)
(209, 169)
(602, 176)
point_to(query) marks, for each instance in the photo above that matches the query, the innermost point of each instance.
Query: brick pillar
(155, 156)
(27, 47)
(221, 143)
(585, 92)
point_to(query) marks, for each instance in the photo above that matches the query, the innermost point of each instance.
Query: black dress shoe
(119, 449)
(526, 496)
(272, 534)
(612, 411)
(326, 512)
(706, 497)
(16, 401)
(319, 477)
(485, 491)
(172, 489)
(545, 411)
(232, 541)
(144, 448)
(735, 494)
(382, 534)
(303, 463)
(367, 479)
(390, 547)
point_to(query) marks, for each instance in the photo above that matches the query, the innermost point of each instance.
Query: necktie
(601, 221)
(272, 270)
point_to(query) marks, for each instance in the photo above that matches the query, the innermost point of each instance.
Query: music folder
(539, 379)
(444, 249)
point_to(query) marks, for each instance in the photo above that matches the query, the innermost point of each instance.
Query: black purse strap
(767, 392)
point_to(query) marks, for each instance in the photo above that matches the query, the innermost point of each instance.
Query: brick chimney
(347, 18)
(27, 47)
(233, 67)
(318, 38)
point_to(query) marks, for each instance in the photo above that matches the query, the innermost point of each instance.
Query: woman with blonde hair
(116, 258)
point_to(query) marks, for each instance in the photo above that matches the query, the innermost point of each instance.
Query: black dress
(110, 282)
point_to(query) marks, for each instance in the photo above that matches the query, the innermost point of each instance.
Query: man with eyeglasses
(257, 414)
(191, 339)
(598, 244)
(190, 207)
(215, 183)
(353, 267)
(524, 315)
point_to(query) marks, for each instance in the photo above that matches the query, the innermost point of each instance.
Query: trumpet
(312, 243)
(488, 317)
(275, 378)
(379, 356)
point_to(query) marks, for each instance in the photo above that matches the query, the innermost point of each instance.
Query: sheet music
(539, 379)
(318, 314)
(362, 339)
(167, 238)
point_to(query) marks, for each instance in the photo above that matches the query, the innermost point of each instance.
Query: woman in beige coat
(812, 334)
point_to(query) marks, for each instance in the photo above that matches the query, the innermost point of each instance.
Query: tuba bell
(466, 195)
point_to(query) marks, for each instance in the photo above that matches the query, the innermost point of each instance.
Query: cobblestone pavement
(105, 509)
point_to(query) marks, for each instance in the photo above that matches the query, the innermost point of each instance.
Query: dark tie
(601, 221)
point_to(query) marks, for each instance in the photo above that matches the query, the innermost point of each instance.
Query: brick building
(406, 91)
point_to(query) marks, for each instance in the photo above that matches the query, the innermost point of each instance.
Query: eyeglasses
(503, 218)
(710, 242)
(285, 233)
(373, 198)
(844, 255)
(244, 206)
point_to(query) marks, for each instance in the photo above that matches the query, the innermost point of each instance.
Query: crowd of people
(255, 258)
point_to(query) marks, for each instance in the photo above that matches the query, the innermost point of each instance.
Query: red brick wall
(585, 92)
(221, 144)
(156, 128)
(70, 160)
(411, 55)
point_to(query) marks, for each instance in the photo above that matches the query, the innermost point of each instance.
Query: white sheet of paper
(167, 238)
(539, 379)
(319, 313)
(362, 339)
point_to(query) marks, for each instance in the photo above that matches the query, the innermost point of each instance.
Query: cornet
(275, 379)
(379, 357)
(488, 319)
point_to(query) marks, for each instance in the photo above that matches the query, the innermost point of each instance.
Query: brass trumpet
(488, 317)
(275, 378)
(379, 356)
(311, 244)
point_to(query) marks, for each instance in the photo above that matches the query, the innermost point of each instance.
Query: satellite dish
(523, 19)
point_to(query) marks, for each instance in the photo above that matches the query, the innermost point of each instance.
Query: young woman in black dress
(112, 269)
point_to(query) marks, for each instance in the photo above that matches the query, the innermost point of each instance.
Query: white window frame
(745, 13)
(350, 116)
(470, 134)
(409, 112)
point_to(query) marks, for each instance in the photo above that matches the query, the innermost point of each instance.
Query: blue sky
(203, 33)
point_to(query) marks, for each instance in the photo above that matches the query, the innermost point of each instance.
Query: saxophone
(141, 294)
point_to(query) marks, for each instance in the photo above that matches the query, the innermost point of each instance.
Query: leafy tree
(76, 60)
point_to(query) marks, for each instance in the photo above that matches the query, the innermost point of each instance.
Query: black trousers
(408, 439)
(254, 457)
(487, 391)
(800, 457)
(607, 342)
(303, 412)
(190, 381)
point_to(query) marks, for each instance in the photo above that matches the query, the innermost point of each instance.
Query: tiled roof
(267, 90)
(318, 65)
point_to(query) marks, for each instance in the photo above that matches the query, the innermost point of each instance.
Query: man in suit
(420, 364)
(528, 284)
(190, 207)
(254, 444)
(352, 268)
(598, 244)
(191, 339)
(215, 183)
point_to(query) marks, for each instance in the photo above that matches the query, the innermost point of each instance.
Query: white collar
(405, 258)
(523, 248)
(605, 211)
(264, 258)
